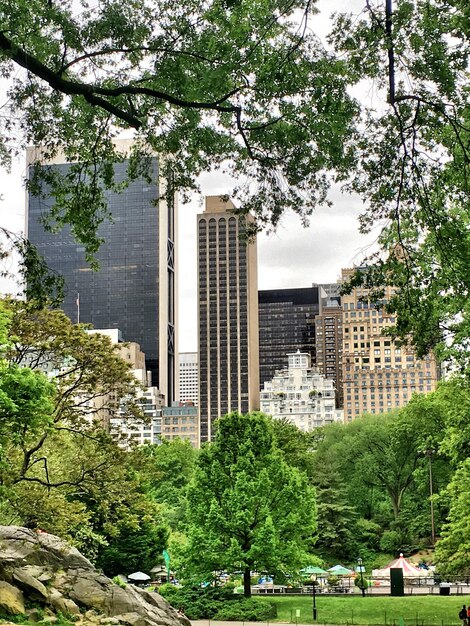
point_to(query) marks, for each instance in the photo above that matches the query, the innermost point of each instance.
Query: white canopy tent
(409, 570)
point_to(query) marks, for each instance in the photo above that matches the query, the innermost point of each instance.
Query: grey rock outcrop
(43, 570)
(11, 599)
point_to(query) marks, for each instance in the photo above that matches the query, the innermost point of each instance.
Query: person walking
(463, 615)
(468, 614)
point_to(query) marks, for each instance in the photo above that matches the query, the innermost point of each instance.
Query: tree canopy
(413, 163)
(248, 509)
(59, 470)
(247, 86)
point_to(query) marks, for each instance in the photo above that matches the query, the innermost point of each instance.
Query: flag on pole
(166, 558)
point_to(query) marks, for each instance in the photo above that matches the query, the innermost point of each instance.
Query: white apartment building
(188, 378)
(301, 394)
(130, 432)
(126, 430)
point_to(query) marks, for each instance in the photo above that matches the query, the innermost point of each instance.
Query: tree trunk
(247, 582)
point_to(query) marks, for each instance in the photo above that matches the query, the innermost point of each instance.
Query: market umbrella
(139, 577)
(313, 569)
(339, 570)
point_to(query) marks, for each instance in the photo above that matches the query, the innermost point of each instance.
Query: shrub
(216, 603)
(250, 610)
(391, 541)
(14, 619)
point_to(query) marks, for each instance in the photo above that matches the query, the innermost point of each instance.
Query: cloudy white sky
(292, 257)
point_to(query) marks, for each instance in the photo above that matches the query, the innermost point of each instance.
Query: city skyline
(330, 243)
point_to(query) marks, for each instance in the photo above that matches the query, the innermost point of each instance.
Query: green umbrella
(339, 570)
(313, 569)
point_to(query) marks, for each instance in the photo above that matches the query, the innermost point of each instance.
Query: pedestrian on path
(463, 615)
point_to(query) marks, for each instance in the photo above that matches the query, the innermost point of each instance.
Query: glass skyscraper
(134, 288)
(286, 324)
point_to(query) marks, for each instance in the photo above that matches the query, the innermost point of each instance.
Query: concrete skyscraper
(135, 287)
(188, 378)
(228, 315)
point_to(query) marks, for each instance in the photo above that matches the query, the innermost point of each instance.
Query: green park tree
(335, 515)
(166, 470)
(59, 470)
(413, 167)
(89, 381)
(248, 509)
(452, 401)
(297, 446)
(453, 550)
(380, 481)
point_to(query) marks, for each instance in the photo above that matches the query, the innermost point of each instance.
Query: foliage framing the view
(414, 164)
(202, 83)
(247, 86)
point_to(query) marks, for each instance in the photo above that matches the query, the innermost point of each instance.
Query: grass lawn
(401, 611)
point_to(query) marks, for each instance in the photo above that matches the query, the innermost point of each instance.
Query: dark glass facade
(286, 324)
(124, 292)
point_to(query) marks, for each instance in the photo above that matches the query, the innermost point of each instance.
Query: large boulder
(38, 568)
(11, 599)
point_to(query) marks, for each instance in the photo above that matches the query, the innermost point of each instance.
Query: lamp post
(314, 596)
(361, 569)
(429, 453)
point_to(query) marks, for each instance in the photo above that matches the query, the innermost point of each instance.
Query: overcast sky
(293, 257)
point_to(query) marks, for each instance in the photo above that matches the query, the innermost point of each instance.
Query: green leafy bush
(391, 541)
(250, 610)
(15, 619)
(216, 603)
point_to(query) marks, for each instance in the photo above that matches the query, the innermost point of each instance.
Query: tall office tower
(135, 287)
(329, 340)
(378, 376)
(228, 315)
(188, 377)
(286, 324)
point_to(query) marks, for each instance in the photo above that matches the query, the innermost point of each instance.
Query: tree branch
(93, 93)
(391, 51)
(62, 483)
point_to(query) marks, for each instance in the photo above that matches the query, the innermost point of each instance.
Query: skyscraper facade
(329, 340)
(188, 378)
(286, 324)
(378, 375)
(134, 288)
(227, 315)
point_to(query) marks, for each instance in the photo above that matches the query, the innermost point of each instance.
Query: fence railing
(455, 585)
